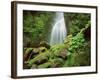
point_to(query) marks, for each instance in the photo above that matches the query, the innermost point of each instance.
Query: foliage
(80, 57)
(77, 21)
(77, 48)
(56, 49)
(75, 51)
(38, 58)
(45, 65)
(35, 25)
(76, 42)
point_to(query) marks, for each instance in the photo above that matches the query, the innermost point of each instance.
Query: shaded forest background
(75, 51)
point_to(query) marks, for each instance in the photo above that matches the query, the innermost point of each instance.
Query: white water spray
(58, 32)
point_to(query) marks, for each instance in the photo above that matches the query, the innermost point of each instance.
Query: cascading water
(58, 32)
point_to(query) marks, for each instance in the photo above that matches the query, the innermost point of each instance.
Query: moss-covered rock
(53, 63)
(56, 49)
(34, 66)
(27, 53)
(30, 53)
(39, 59)
(26, 66)
(45, 65)
(57, 62)
(63, 54)
(39, 49)
(44, 44)
(42, 49)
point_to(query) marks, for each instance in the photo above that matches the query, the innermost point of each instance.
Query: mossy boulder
(52, 63)
(39, 50)
(27, 53)
(34, 66)
(44, 44)
(39, 59)
(63, 54)
(26, 66)
(42, 49)
(32, 52)
(59, 51)
(45, 65)
(57, 62)
(68, 39)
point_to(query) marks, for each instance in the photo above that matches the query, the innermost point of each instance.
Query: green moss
(45, 65)
(75, 51)
(27, 53)
(38, 58)
(56, 49)
(28, 50)
(42, 49)
(74, 48)
(57, 62)
(34, 66)
(80, 57)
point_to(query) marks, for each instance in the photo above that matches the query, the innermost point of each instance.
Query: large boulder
(45, 65)
(41, 60)
(56, 62)
(44, 44)
(34, 66)
(63, 54)
(30, 53)
(27, 53)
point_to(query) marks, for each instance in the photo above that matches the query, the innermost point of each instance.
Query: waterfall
(58, 32)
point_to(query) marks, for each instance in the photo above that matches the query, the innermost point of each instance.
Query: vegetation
(36, 25)
(75, 51)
